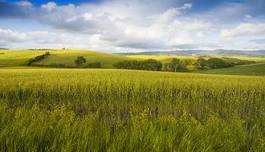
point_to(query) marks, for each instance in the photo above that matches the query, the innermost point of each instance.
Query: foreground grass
(119, 110)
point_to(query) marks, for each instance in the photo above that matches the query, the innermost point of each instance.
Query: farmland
(123, 110)
(85, 109)
(132, 76)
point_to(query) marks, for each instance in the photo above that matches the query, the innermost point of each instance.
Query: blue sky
(133, 25)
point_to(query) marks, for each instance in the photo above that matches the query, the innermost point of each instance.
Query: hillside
(162, 58)
(218, 52)
(251, 69)
(19, 58)
(10, 58)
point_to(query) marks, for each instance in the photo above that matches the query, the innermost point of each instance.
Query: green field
(60, 109)
(122, 110)
(252, 69)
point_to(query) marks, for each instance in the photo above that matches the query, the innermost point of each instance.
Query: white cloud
(138, 25)
(8, 35)
(127, 25)
(245, 30)
(25, 4)
(49, 6)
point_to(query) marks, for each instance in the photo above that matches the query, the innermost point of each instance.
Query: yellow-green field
(123, 110)
(53, 109)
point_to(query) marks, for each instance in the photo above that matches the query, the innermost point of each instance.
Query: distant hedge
(38, 58)
(89, 65)
(93, 65)
(150, 64)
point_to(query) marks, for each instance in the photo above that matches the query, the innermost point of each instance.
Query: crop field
(132, 76)
(123, 110)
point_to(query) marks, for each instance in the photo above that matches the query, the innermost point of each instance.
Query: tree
(80, 60)
(215, 63)
(175, 65)
(201, 63)
(152, 65)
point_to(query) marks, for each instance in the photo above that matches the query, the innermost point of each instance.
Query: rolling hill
(10, 58)
(218, 52)
(19, 58)
(251, 69)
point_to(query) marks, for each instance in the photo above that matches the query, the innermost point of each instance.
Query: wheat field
(123, 110)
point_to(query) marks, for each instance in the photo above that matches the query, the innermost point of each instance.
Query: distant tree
(175, 65)
(201, 63)
(152, 65)
(80, 60)
(215, 63)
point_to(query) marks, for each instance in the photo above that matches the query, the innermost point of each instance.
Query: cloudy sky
(133, 25)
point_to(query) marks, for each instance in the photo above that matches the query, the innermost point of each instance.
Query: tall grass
(118, 110)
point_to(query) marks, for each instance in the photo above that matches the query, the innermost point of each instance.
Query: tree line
(174, 65)
(37, 58)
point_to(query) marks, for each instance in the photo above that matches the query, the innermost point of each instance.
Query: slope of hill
(17, 58)
(66, 57)
(251, 69)
(220, 52)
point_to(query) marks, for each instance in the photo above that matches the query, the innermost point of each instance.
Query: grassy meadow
(62, 109)
(123, 110)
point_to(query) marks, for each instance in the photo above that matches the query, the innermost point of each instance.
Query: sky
(133, 25)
